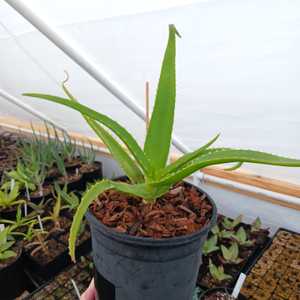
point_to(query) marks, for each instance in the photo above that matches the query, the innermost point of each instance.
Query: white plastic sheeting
(238, 67)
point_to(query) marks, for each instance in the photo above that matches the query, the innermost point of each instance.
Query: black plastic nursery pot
(137, 268)
(13, 279)
(49, 269)
(91, 176)
(8, 214)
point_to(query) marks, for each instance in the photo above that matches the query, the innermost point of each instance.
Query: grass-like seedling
(150, 176)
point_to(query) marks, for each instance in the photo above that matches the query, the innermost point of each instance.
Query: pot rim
(147, 241)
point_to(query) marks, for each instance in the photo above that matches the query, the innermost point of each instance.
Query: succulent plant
(147, 169)
(256, 225)
(231, 224)
(210, 245)
(241, 237)
(9, 194)
(6, 243)
(231, 254)
(217, 272)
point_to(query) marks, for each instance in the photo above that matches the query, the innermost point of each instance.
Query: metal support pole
(79, 57)
(28, 108)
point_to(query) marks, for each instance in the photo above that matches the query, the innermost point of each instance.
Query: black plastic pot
(92, 175)
(13, 279)
(8, 214)
(137, 268)
(50, 269)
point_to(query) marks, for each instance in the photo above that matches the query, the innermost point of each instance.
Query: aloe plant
(87, 155)
(22, 176)
(256, 225)
(6, 243)
(210, 245)
(20, 220)
(217, 272)
(222, 234)
(231, 224)
(241, 237)
(231, 254)
(150, 176)
(9, 195)
(70, 200)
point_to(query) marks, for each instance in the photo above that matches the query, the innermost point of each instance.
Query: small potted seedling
(45, 256)
(59, 223)
(70, 201)
(20, 222)
(258, 233)
(68, 151)
(90, 169)
(210, 245)
(21, 175)
(241, 237)
(230, 255)
(157, 254)
(10, 199)
(218, 277)
(70, 178)
(11, 265)
(230, 224)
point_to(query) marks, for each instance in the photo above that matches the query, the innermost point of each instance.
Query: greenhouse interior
(149, 150)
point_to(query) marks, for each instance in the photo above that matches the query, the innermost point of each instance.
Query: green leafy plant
(241, 237)
(231, 254)
(231, 224)
(9, 195)
(222, 234)
(210, 245)
(87, 154)
(70, 200)
(68, 148)
(20, 220)
(6, 243)
(150, 176)
(217, 272)
(60, 163)
(22, 176)
(256, 225)
(54, 215)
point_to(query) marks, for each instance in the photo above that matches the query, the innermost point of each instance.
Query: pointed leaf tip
(173, 28)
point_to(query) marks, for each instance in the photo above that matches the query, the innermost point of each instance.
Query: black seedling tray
(62, 281)
(246, 265)
(249, 266)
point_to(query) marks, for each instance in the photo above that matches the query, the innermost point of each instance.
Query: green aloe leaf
(7, 254)
(158, 140)
(120, 131)
(188, 157)
(226, 155)
(128, 165)
(126, 162)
